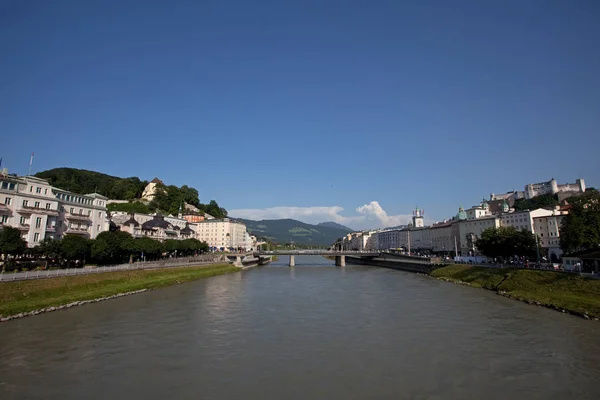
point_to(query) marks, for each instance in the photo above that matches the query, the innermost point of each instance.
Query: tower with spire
(417, 219)
(180, 215)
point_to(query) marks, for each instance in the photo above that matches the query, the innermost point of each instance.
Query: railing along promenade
(166, 263)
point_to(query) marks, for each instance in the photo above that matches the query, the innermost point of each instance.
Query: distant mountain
(331, 224)
(286, 230)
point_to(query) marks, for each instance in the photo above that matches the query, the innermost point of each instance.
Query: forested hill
(167, 200)
(286, 230)
(83, 181)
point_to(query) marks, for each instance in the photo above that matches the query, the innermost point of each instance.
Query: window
(97, 228)
(11, 186)
(38, 190)
(45, 191)
(25, 203)
(80, 211)
(36, 204)
(38, 222)
(31, 189)
(72, 210)
(47, 206)
(3, 219)
(89, 213)
(59, 224)
(22, 221)
(36, 237)
(7, 201)
(99, 215)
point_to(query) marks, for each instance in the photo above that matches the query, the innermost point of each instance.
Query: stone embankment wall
(422, 267)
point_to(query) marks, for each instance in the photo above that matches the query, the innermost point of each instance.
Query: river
(309, 332)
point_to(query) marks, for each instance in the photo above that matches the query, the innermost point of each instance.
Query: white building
(471, 229)
(41, 211)
(222, 234)
(390, 239)
(552, 187)
(548, 230)
(523, 219)
(150, 190)
(444, 237)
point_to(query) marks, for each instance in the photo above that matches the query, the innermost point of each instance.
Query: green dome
(462, 215)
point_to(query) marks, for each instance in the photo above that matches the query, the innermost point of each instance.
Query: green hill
(287, 230)
(167, 201)
(84, 181)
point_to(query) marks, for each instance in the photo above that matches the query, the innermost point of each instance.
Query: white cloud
(371, 215)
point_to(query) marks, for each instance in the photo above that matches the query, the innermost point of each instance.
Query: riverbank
(30, 296)
(560, 291)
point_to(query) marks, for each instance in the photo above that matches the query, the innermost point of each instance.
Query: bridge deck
(317, 253)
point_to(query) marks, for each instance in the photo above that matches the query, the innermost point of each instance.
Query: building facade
(223, 234)
(42, 211)
(548, 230)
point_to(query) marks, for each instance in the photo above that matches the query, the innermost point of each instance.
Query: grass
(25, 296)
(576, 294)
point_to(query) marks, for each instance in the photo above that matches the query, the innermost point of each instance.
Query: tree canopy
(11, 243)
(544, 200)
(580, 229)
(506, 242)
(84, 181)
(168, 199)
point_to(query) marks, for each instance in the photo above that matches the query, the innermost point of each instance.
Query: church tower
(180, 215)
(417, 218)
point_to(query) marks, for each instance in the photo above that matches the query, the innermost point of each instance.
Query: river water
(310, 332)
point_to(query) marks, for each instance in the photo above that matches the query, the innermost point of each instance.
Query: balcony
(50, 228)
(23, 227)
(37, 210)
(77, 231)
(78, 217)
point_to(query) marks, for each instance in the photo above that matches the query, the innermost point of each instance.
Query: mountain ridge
(287, 230)
(332, 224)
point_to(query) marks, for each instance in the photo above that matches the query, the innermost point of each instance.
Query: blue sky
(307, 109)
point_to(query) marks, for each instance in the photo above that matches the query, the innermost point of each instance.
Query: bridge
(340, 256)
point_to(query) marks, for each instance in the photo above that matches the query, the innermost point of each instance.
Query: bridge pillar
(340, 261)
(238, 261)
(292, 261)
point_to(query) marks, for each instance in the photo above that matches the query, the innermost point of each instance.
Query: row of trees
(544, 200)
(108, 248)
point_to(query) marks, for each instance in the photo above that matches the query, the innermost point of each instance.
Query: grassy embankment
(25, 296)
(572, 293)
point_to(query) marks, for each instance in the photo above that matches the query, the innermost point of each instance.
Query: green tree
(75, 248)
(49, 248)
(113, 247)
(541, 201)
(11, 243)
(135, 207)
(213, 209)
(505, 242)
(148, 248)
(580, 229)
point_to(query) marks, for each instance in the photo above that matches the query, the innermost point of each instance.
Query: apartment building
(547, 227)
(222, 234)
(41, 211)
